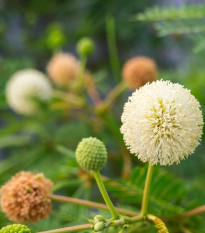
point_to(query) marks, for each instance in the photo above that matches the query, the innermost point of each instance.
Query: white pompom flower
(25, 85)
(162, 123)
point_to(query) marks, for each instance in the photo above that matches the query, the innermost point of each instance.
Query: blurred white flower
(162, 123)
(25, 85)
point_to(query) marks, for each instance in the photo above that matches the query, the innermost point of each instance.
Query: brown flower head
(138, 71)
(25, 198)
(63, 68)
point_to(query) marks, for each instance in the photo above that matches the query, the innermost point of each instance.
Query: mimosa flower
(162, 123)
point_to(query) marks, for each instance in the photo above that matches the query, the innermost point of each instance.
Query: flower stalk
(104, 193)
(146, 194)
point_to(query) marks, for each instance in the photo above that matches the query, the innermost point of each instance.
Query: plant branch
(112, 96)
(70, 229)
(90, 204)
(195, 211)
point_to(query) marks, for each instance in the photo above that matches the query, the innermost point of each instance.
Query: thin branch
(70, 229)
(195, 211)
(90, 204)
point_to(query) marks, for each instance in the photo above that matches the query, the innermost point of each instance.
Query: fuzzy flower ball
(63, 68)
(91, 154)
(138, 71)
(162, 123)
(15, 228)
(25, 198)
(25, 85)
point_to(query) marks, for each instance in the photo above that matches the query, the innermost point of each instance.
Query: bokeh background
(30, 33)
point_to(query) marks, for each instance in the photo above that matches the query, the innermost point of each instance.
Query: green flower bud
(91, 154)
(99, 218)
(99, 226)
(85, 46)
(15, 228)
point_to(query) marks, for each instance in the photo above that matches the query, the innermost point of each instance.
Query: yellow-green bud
(91, 154)
(99, 218)
(15, 228)
(85, 46)
(99, 226)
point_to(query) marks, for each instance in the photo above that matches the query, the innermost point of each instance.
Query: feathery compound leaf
(167, 192)
(188, 19)
(172, 13)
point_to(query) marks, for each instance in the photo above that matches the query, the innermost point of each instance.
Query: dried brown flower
(25, 198)
(63, 68)
(138, 71)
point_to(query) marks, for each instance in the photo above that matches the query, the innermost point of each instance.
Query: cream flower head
(24, 85)
(162, 123)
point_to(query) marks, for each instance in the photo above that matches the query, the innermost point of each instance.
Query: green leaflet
(167, 192)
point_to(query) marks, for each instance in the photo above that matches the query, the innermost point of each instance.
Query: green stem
(111, 40)
(147, 191)
(104, 193)
(80, 78)
(112, 96)
(70, 229)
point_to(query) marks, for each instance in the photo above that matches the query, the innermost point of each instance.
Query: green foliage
(172, 13)
(187, 19)
(168, 196)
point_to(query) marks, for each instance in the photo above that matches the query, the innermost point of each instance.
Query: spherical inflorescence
(15, 228)
(91, 154)
(63, 68)
(26, 197)
(25, 85)
(138, 71)
(162, 123)
(85, 46)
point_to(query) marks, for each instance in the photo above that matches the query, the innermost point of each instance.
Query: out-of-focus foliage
(187, 19)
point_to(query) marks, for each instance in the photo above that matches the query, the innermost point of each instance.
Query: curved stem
(104, 193)
(70, 229)
(147, 190)
(68, 97)
(92, 90)
(90, 204)
(112, 96)
(195, 211)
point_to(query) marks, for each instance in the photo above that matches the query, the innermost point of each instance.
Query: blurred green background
(30, 33)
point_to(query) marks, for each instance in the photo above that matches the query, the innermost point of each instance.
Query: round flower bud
(15, 228)
(91, 154)
(162, 123)
(85, 46)
(26, 197)
(99, 218)
(99, 226)
(138, 71)
(25, 85)
(63, 68)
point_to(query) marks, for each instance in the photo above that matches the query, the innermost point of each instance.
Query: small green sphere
(15, 228)
(85, 46)
(91, 154)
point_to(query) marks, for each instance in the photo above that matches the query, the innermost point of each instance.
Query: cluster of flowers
(161, 124)
(28, 85)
